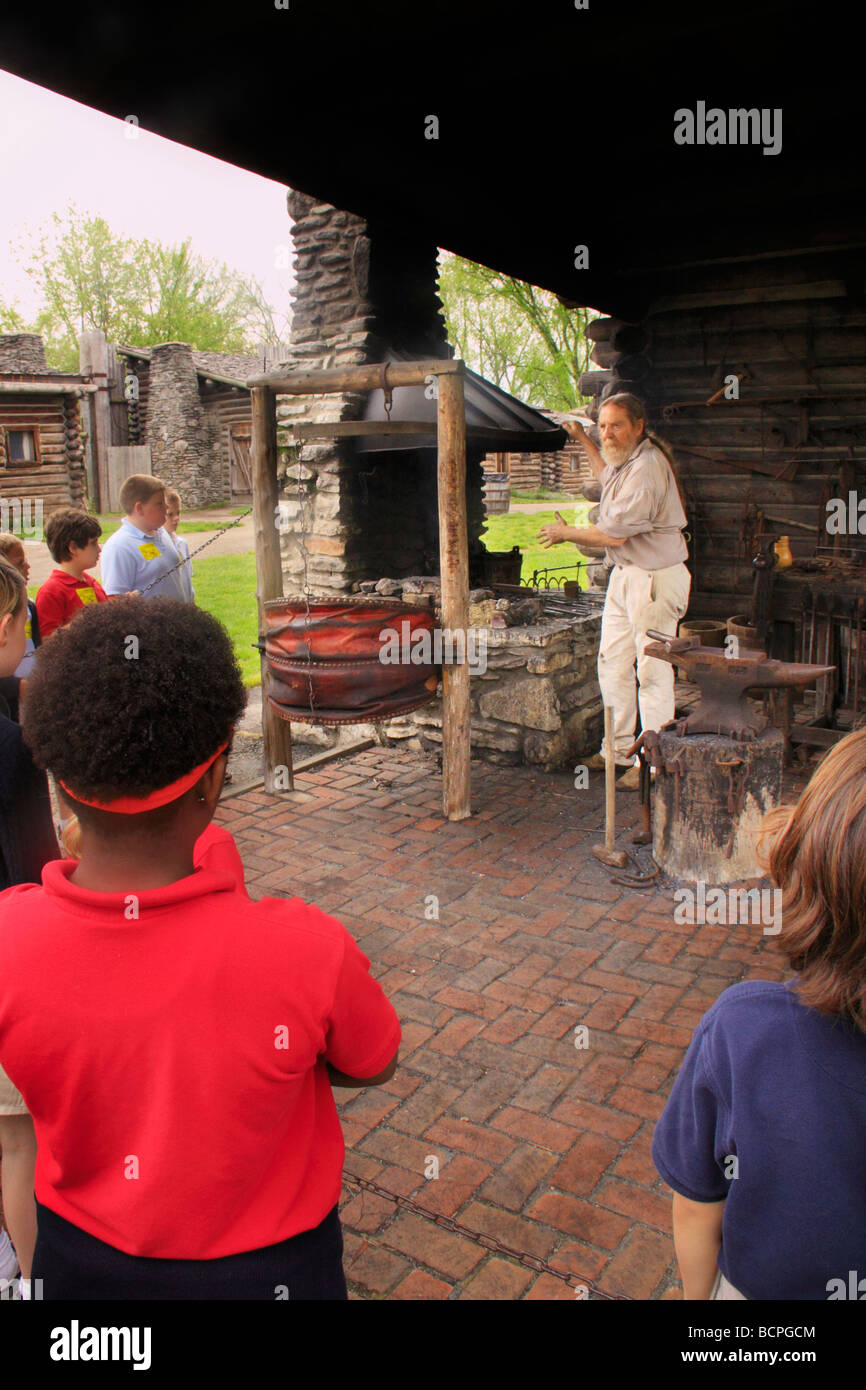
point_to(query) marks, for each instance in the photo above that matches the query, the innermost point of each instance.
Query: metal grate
(587, 604)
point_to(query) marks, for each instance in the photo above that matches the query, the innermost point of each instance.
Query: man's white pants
(636, 600)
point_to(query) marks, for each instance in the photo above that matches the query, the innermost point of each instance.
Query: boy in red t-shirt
(175, 1042)
(72, 538)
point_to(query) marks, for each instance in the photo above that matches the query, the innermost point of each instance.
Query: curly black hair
(130, 696)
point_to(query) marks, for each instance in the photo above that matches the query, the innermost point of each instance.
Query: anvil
(723, 682)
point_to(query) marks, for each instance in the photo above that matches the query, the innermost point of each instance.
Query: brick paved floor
(540, 1143)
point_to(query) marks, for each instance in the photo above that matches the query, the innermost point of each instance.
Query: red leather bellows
(325, 668)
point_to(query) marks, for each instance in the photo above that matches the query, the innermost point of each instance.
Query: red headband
(134, 805)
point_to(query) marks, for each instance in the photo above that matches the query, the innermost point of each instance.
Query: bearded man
(640, 524)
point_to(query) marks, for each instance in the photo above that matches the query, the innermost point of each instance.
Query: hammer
(616, 858)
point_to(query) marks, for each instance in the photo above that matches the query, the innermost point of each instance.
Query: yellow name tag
(86, 595)
(150, 551)
(28, 629)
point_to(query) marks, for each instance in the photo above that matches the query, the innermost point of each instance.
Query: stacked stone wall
(22, 353)
(347, 516)
(177, 430)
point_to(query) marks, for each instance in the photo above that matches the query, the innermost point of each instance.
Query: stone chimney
(22, 353)
(177, 430)
(348, 517)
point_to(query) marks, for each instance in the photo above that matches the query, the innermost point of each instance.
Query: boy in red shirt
(72, 538)
(174, 1042)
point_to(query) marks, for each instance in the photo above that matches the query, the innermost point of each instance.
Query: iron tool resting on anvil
(640, 524)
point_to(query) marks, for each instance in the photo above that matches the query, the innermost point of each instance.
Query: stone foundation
(538, 702)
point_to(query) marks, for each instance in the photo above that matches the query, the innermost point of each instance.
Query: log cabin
(41, 435)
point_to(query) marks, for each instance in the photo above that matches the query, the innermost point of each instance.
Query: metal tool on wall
(764, 564)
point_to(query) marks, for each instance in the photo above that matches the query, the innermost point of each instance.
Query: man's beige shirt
(640, 500)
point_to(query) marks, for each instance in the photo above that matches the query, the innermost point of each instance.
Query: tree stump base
(709, 800)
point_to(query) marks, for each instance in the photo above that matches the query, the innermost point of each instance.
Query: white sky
(53, 150)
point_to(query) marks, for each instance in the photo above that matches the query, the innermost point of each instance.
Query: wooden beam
(55, 388)
(341, 751)
(759, 294)
(276, 732)
(364, 378)
(454, 578)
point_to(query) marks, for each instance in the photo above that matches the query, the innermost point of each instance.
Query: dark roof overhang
(495, 421)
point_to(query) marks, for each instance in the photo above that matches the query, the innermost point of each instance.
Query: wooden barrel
(350, 660)
(497, 493)
(712, 632)
(747, 635)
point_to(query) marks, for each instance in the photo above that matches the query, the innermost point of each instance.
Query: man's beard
(615, 454)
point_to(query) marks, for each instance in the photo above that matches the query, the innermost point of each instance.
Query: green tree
(516, 335)
(10, 319)
(137, 292)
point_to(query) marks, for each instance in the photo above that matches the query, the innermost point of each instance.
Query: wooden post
(454, 577)
(609, 781)
(277, 733)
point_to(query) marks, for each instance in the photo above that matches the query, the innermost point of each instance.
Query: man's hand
(580, 436)
(555, 533)
(576, 430)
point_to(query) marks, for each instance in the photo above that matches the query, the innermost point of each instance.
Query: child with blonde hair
(172, 519)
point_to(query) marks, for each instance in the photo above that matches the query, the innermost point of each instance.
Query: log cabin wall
(791, 329)
(136, 410)
(561, 470)
(227, 411)
(795, 436)
(57, 478)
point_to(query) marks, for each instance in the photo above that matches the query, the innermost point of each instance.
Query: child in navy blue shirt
(763, 1138)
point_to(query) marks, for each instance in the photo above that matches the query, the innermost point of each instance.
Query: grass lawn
(110, 521)
(226, 587)
(521, 528)
(540, 494)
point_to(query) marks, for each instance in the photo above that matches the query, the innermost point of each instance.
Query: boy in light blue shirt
(141, 551)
